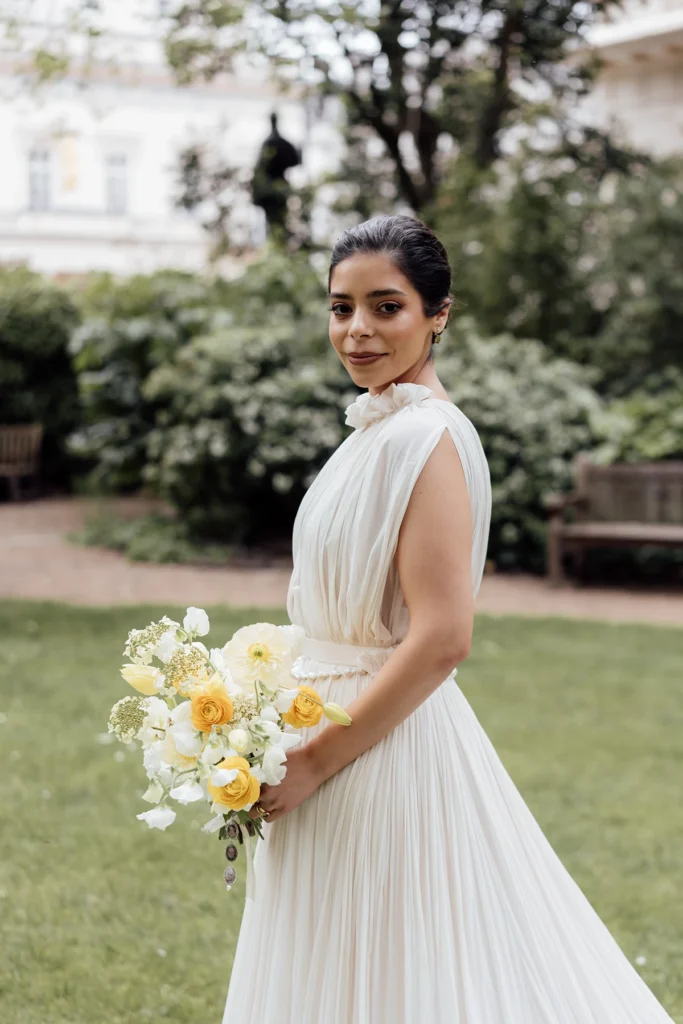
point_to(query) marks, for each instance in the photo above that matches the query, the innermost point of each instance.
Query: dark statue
(269, 187)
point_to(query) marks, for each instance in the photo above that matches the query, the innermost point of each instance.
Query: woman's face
(377, 322)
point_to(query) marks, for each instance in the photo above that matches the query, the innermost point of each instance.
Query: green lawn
(106, 922)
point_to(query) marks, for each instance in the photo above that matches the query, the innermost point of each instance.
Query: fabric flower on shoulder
(369, 408)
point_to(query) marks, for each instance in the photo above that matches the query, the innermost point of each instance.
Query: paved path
(37, 562)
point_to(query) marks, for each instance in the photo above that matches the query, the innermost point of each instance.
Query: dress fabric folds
(414, 885)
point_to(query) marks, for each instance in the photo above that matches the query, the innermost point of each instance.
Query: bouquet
(214, 724)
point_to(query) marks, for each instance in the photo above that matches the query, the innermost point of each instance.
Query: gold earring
(437, 338)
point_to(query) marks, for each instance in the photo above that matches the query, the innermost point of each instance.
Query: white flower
(284, 698)
(273, 767)
(188, 740)
(156, 721)
(240, 740)
(295, 637)
(154, 792)
(196, 621)
(269, 714)
(261, 651)
(223, 776)
(167, 646)
(214, 824)
(158, 817)
(272, 731)
(187, 792)
(369, 408)
(214, 751)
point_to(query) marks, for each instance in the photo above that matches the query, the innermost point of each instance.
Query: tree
(416, 74)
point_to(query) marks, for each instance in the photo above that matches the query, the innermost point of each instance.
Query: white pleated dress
(414, 885)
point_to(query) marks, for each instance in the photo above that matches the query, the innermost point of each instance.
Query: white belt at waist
(339, 659)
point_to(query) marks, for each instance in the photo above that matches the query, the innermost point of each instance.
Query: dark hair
(413, 247)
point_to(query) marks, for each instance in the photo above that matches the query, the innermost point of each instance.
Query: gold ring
(262, 811)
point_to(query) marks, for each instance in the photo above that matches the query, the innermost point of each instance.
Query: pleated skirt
(415, 886)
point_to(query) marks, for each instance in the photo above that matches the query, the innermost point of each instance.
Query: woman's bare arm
(433, 560)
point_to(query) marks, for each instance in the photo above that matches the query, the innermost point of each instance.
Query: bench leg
(14, 488)
(555, 567)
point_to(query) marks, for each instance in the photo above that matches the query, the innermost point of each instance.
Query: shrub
(37, 382)
(245, 422)
(132, 327)
(533, 413)
(647, 424)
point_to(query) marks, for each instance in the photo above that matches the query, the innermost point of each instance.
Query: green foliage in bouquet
(533, 413)
(37, 382)
(131, 326)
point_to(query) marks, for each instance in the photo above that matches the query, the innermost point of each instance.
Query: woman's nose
(359, 326)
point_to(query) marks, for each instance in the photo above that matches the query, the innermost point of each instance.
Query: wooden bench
(625, 504)
(19, 455)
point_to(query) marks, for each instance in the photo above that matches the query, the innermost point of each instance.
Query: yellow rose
(211, 707)
(141, 677)
(244, 788)
(304, 712)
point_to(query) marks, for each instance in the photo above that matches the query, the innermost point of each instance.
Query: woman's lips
(364, 360)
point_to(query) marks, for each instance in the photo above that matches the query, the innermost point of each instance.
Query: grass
(106, 922)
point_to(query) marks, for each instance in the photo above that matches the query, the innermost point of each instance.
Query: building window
(117, 183)
(39, 175)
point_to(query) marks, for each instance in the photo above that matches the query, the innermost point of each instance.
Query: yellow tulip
(141, 677)
(336, 713)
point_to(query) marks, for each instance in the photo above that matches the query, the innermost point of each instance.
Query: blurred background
(173, 175)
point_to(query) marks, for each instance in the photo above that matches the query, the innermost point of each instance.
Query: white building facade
(639, 92)
(89, 174)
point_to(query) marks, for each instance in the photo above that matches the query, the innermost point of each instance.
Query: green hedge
(37, 380)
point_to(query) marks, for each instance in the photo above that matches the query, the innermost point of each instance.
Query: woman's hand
(301, 780)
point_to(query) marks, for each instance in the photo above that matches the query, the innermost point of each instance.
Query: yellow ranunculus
(304, 712)
(244, 788)
(211, 707)
(141, 677)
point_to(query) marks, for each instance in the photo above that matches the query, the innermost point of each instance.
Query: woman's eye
(341, 309)
(394, 307)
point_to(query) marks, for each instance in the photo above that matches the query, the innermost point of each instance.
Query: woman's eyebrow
(377, 294)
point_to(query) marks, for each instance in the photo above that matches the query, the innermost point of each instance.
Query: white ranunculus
(188, 792)
(273, 767)
(240, 740)
(196, 621)
(154, 792)
(158, 817)
(223, 776)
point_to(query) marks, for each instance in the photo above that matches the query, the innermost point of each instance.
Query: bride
(402, 878)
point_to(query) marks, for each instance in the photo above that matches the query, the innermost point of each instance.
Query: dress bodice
(344, 585)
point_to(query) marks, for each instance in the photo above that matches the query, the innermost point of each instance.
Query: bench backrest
(20, 443)
(639, 492)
